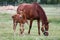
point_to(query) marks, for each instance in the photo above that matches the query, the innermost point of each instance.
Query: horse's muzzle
(46, 33)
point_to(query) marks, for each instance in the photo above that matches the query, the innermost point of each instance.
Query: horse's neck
(44, 19)
(42, 14)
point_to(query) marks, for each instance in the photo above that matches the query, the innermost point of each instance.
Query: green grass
(6, 29)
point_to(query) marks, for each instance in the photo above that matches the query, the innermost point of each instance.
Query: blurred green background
(15, 2)
(52, 10)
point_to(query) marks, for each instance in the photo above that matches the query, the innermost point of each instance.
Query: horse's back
(31, 10)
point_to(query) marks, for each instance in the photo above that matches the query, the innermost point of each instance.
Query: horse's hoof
(46, 33)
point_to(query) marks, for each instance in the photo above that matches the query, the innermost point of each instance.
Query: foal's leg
(38, 26)
(21, 28)
(30, 26)
(14, 26)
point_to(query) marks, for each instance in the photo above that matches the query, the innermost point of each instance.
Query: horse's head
(45, 28)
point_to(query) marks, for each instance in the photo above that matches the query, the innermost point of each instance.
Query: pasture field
(6, 29)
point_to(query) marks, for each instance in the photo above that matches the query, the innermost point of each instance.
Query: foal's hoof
(21, 32)
(46, 33)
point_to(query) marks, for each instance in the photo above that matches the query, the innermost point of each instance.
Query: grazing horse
(17, 18)
(34, 12)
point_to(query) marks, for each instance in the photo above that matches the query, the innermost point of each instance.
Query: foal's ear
(13, 16)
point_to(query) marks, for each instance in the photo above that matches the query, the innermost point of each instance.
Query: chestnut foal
(19, 18)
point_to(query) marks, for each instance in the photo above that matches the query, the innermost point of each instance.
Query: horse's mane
(41, 12)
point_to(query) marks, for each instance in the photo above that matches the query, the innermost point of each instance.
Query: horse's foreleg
(30, 26)
(43, 28)
(38, 26)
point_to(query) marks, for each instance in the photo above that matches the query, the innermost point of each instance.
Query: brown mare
(17, 18)
(34, 12)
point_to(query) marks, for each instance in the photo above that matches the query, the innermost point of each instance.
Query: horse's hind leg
(38, 26)
(30, 26)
